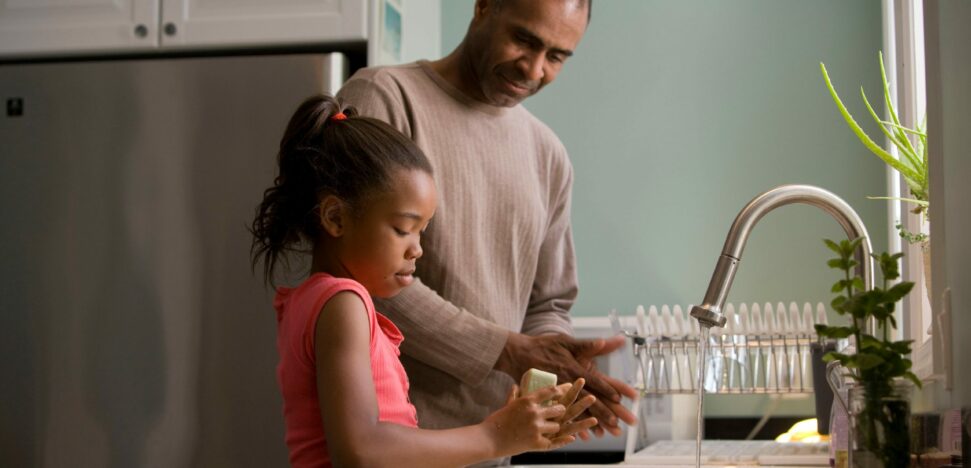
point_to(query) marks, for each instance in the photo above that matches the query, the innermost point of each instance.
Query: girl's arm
(349, 408)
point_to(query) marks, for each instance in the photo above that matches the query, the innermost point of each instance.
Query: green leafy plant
(878, 363)
(912, 164)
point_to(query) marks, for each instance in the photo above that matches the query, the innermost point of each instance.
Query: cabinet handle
(141, 30)
(170, 29)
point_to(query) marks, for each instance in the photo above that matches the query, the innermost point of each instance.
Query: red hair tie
(339, 116)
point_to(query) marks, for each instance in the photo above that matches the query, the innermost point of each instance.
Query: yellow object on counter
(803, 431)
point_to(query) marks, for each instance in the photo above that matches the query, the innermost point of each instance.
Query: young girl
(357, 195)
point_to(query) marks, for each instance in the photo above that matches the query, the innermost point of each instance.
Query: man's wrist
(507, 361)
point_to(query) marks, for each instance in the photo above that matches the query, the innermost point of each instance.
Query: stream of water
(702, 348)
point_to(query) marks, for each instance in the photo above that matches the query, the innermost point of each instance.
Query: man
(498, 275)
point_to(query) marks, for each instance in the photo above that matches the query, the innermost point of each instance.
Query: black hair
(320, 154)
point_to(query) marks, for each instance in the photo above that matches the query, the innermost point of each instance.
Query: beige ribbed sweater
(498, 255)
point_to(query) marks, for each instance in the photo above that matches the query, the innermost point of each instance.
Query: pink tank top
(297, 310)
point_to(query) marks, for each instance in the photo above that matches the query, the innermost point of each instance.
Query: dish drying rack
(762, 349)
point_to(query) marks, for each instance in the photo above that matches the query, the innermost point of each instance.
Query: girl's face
(382, 242)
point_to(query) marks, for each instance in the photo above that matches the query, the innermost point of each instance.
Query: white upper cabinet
(31, 28)
(217, 23)
(38, 27)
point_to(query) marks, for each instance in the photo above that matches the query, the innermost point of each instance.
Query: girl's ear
(333, 215)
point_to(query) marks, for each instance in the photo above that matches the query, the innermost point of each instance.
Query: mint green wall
(676, 113)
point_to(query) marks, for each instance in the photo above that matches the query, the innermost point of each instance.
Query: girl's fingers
(563, 389)
(554, 413)
(579, 407)
(580, 426)
(558, 394)
(513, 392)
(549, 427)
(570, 396)
(560, 441)
(544, 394)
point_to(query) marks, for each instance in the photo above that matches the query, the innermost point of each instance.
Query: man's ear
(333, 214)
(482, 8)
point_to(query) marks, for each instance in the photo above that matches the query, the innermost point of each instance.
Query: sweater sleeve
(444, 336)
(437, 332)
(555, 285)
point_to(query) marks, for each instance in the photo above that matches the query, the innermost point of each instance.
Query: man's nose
(531, 65)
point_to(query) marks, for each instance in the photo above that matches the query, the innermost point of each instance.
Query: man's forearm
(443, 335)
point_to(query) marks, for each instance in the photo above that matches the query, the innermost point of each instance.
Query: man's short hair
(589, 4)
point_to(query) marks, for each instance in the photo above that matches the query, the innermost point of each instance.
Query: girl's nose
(414, 251)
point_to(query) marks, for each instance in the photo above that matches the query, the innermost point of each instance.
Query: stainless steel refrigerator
(132, 331)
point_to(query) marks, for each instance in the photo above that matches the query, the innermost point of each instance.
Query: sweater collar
(459, 96)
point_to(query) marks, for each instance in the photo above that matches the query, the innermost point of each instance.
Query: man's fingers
(605, 416)
(602, 388)
(600, 411)
(612, 344)
(622, 387)
(588, 349)
(583, 348)
(623, 413)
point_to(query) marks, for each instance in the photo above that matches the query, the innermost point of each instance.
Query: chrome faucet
(709, 314)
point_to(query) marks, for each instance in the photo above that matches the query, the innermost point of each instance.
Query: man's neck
(456, 69)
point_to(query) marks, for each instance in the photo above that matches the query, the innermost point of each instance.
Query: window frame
(904, 58)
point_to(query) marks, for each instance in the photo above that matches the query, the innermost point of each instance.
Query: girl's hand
(525, 423)
(574, 408)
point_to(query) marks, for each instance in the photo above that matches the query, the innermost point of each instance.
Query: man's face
(520, 48)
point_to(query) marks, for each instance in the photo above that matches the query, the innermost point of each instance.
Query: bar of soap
(535, 379)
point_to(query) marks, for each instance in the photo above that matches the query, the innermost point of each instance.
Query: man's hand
(570, 359)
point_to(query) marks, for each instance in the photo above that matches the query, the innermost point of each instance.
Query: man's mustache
(522, 83)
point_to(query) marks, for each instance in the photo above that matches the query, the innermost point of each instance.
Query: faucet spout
(709, 314)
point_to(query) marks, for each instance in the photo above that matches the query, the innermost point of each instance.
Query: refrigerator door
(132, 329)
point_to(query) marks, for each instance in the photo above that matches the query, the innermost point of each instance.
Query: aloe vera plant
(912, 164)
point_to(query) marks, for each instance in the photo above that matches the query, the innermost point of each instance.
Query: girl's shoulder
(298, 308)
(314, 292)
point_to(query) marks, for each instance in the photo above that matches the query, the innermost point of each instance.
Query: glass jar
(880, 426)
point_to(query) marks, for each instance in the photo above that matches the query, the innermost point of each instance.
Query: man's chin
(505, 100)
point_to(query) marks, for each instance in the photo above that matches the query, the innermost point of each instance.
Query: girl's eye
(400, 232)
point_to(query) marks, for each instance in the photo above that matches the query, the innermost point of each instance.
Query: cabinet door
(224, 23)
(46, 27)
